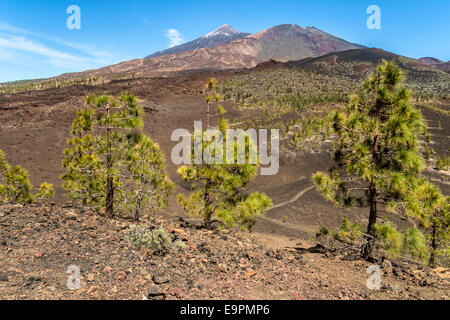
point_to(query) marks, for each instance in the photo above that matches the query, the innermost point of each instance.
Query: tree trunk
(207, 218)
(208, 212)
(432, 261)
(138, 207)
(110, 197)
(109, 179)
(207, 115)
(367, 250)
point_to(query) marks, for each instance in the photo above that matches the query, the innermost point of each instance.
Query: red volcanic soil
(39, 242)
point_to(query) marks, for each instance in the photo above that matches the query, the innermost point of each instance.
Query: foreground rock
(44, 246)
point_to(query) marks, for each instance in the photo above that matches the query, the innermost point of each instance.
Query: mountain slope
(358, 63)
(438, 64)
(444, 66)
(290, 42)
(430, 61)
(217, 37)
(233, 55)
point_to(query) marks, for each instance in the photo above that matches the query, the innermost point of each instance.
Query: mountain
(444, 66)
(430, 61)
(217, 37)
(290, 42)
(438, 64)
(281, 43)
(233, 55)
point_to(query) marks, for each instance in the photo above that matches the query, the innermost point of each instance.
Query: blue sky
(35, 41)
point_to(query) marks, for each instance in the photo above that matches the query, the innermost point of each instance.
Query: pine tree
(85, 178)
(147, 170)
(218, 187)
(114, 119)
(15, 185)
(110, 162)
(432, 210)
(377, 158)
(440, 231)
(212, 96)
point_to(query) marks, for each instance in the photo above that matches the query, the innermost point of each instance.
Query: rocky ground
(39, 242)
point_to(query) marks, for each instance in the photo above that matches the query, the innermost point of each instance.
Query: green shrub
(391, 238)
(323, 232)
(156, 240)
(427, 154)
(416, 244)
(348, 230)
(439, 163)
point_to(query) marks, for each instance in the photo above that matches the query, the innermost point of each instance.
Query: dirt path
(295, 198)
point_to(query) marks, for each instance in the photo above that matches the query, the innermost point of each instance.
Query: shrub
(156, 240)
(323, 232)
(416, 244)
(439, 164)
(348, 230)
(391, 238)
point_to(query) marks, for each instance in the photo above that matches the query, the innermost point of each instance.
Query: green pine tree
(114, 119)
(440, 231)
(147, 170)
(85, 178)
(218, 188)
(377, 158)
(432, 209)
(15, 185)
(110, 163)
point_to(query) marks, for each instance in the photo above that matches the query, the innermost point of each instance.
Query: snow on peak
(224, 30)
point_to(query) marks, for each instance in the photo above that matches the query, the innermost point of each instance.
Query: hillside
(444, 67)
(39, 243)
(359, 62)
(430, 61)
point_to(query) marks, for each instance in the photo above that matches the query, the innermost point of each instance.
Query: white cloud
(175, 37)
(98, 55)
(24, 44)
(81, 56)
(12, 29)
